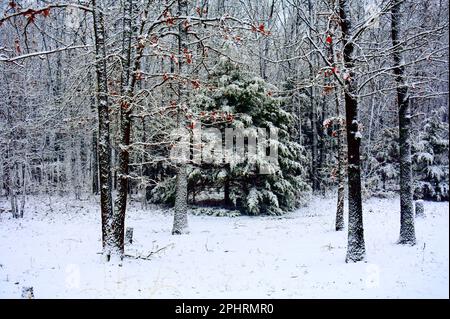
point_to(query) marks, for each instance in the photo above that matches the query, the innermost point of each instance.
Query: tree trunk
(341, 172)
(227, 200)
(120, 204)
(407, 232)
(94, 156)
(95, 186)
(315, 181)
(104, 147)
(22, 182)
(321, 185)
(340, 223)
(180, 221)
(314, 177)
(356, 247)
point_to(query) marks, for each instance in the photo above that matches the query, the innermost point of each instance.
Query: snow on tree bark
(94, 155)
(120, 204)
(313, 105)
(407, 231)
(94, 164)
(340, 131)
(180, 220)
(341, 176)
(104, 147)
(356, 248)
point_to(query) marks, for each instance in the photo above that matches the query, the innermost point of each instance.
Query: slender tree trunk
(321, 147)
(94, 169)
(265, 44)
(104, 146)
(23, 191)
(341, 171)
(298, 107)
(129, 81)
(315, 183)
(407, 232)
(94, 156)
(120, 204)
(227, 190)
(340, 145)
(356, 247)
(13, 193)
(313, 105)
(180, 220)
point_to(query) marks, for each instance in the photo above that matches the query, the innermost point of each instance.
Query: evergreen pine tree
(430, 160)
(254, 104)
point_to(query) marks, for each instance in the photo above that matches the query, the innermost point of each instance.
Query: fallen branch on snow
(147, 257)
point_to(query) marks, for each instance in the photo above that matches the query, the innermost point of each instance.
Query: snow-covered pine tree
(253, 101)
(430, 161)
(383, 171)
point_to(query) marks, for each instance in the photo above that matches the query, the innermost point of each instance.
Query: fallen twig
(147, 257)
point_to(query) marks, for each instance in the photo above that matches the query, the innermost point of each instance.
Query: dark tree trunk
(356, 247)
(407, 231)
(227, 200)
(315, 181)
(340, 131)
(321, 147)
(94, 168)
(104, 147)
(125, 131)
(341, 171)
(313, 105)
(94, 158)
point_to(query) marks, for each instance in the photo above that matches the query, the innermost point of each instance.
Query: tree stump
(420, 209)
(27, 293)
(129, 235)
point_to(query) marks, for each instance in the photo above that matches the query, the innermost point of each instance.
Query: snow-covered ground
(55, 250)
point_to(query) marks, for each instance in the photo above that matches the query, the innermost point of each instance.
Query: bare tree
(110, 244)
(356, 247)
(180, 219)
(407, 232)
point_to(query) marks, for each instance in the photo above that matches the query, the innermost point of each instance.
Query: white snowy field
(55, 250)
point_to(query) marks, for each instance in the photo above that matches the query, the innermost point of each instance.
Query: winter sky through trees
(224, 149)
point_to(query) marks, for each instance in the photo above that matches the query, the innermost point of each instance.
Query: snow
(55, 249)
